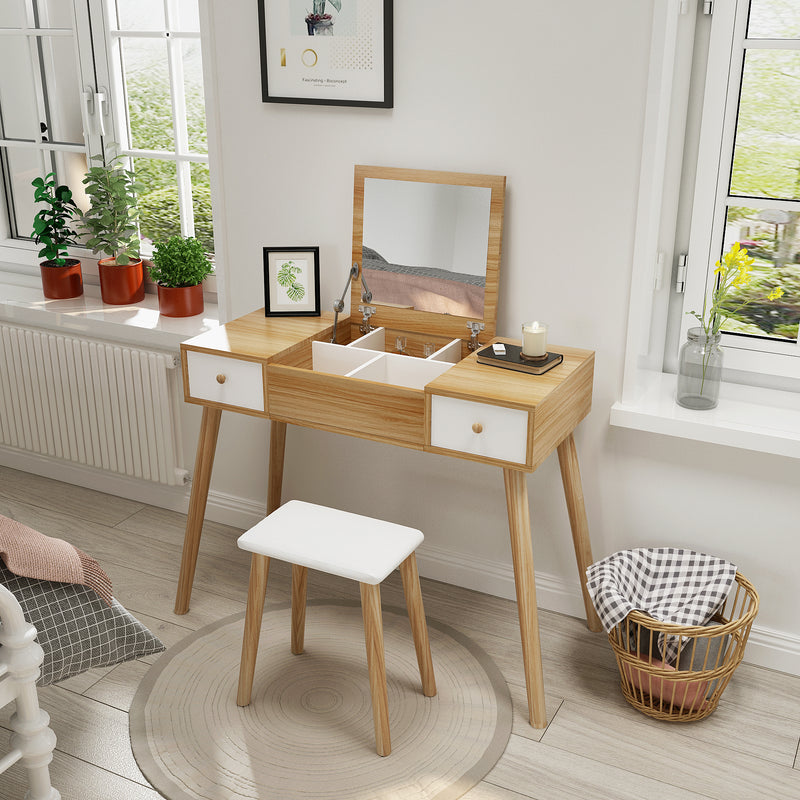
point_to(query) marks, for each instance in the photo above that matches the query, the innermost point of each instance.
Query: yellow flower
(775, 293)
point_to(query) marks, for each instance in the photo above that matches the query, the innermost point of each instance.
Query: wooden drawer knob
(221, 378)
(477, 427)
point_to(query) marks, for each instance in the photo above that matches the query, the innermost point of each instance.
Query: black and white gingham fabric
(671, 585)
(76, 629)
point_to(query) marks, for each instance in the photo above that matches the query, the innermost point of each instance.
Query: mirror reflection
(425, 245)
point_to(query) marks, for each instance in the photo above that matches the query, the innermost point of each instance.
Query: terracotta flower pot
(121, 285)
(180, 301)
(59, 283)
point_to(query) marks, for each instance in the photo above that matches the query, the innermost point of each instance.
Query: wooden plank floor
(595, 745)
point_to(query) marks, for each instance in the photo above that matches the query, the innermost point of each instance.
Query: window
(748, 179)
(80, 78)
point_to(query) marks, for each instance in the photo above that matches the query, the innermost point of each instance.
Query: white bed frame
(32, 740)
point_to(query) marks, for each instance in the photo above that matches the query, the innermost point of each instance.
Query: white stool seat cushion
(337, 542)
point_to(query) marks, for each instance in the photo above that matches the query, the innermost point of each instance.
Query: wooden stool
(351, 546)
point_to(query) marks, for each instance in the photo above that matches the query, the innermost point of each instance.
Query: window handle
(93, 102)
(100, 99)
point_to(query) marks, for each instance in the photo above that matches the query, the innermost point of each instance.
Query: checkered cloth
(671, 585)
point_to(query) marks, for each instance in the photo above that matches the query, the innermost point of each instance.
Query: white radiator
(102, 405)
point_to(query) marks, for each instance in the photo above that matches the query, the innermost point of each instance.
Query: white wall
(550, 95)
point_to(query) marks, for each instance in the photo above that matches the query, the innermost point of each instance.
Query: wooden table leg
(573, 492)
(277, 447)
(519, 525)
(204, 462)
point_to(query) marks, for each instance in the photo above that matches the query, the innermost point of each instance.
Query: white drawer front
(225, 380)
(479, 429)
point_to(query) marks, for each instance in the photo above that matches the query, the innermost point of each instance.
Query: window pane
(772, 237)
(201, 205)
(12, 14)
(195, 102)
(18, 113)
(188, 16)
(54, 14)
(149, 101)
(774, 19)
(70, 169)
(159, 213)
(22, 166)
(766, 161)
(62, 89)
(140, 15)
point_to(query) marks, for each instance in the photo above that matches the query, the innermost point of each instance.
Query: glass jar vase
(699, 370)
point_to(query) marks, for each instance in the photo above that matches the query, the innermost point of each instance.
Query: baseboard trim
(174, 498)
(765, 648)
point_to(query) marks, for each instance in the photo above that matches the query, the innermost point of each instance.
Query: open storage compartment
(357, 387)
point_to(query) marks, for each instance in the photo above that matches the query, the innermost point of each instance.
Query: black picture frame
(291, 282)
(361, 75)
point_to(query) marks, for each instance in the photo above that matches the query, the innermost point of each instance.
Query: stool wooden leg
(299, 580)
(376, 662)
(419, 628)
(256, 591)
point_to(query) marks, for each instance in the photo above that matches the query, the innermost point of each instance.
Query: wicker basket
(710, 653)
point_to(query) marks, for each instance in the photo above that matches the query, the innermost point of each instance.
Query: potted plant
(61, 275)
(112, 225)
(179, 267)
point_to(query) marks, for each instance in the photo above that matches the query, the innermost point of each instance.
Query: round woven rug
(308, 731)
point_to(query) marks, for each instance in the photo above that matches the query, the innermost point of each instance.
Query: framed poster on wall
(327, 52)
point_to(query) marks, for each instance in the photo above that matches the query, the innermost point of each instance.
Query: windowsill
(22, 303)
(749, 417)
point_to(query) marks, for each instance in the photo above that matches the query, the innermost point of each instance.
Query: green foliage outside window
(150, 117)
(767, 164)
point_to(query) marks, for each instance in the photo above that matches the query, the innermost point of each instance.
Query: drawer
(480, 430)
(228, 381)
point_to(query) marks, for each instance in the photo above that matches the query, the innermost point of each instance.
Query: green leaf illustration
(296, 292)
(286, 277)
(287, 273)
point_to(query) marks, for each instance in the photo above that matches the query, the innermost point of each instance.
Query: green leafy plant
(286, 277)
(51, 225)
(179, 262)
(112, 218)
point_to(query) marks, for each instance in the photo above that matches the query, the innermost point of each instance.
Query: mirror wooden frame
(427, 322)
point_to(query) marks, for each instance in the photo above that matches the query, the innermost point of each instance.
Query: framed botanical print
(329, 52)
(291, 281)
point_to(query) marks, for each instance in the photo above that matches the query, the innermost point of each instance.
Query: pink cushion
(683, 693)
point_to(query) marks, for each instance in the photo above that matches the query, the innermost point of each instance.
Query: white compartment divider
(374, 340)
(451, 353)
(399, 370)
(337, 359)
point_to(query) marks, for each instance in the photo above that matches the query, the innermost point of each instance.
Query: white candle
(534, 339)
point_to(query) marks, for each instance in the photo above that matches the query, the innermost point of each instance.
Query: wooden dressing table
(287, 370)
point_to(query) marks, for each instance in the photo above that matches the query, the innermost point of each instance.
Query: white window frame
(723, 77)
(762, 418)
(18, 251)
(99, 76)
